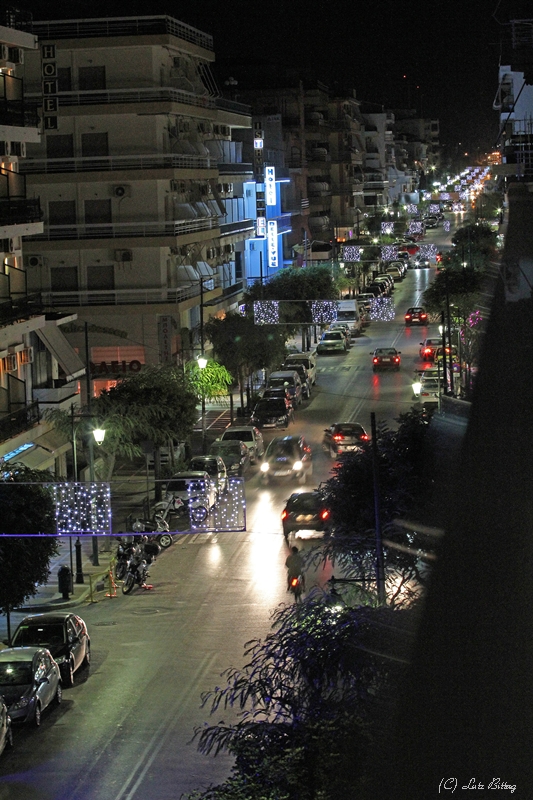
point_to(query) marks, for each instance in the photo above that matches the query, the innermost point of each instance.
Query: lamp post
(202, 364)
(98, 435)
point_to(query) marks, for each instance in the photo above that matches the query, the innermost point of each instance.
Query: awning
(38, 458)
(57, 343)
(53, 442)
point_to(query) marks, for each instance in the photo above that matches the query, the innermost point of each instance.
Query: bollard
(64, 581)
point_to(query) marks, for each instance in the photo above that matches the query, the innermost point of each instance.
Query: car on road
(195, 485)
(345, 328)
(287, 457)
(332, 342)
(431, 222)
(386, 358)
(234, 454)
(289, 379)
(6, 732)
(430, 389)
(301, 369)
(304, 511)
(215, 467)
(63, 633)
(250, 435)
(429, 347)
(416, 315)
(308, 359)
(343, 437)
(421, 262)
(272, 412)
(411, 248)
(30, 680)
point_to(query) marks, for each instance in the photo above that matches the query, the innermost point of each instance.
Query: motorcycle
(296, 586)
(124, 551)
(137, 569)
(158, 527)
(192, 506)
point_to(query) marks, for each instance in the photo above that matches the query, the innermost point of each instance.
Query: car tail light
(427, 351)
(284, 514)
(364, 437)
(375, 360)
(397, 358)
(423, 316)
(295, 582)
(338, 437)
(407, 316)
(324, 514)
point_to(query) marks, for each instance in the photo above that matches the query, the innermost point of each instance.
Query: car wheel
(165, 540)
(67, 673)
(87, 659)
(332, 452)
(37, 714)
(59, 694)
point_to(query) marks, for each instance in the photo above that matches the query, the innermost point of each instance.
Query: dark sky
(440, 56)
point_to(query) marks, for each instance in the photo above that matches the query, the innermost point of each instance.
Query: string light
(382, 309)
(389, 252)
(266, 312)
(434, 208)
(428, 250)
(83, 508)
(351, 253)
(229, 514)
(323, 311)
(446, 225)
(415, 227)
(412, 208)
(387, 228)
(444, 195)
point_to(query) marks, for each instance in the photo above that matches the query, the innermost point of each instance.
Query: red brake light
(427, 351)
(375, 360)
(364, 437)
(324, 514)
(397, 358)
(423, 316)
(284, 514)
(407, 316)
(294, 581)
(338, 437)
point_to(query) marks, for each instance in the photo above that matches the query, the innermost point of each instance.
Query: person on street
(295, 565)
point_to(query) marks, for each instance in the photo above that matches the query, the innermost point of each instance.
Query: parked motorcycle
(141, 557)
(158, 528)
(192, 506)
(124, 551)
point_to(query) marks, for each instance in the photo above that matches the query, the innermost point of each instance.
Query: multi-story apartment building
(38, 368)
(141, 184)
(419, 139)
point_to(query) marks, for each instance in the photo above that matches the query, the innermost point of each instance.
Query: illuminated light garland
(464, 195)
(428, 250)
(457, 188)
(82, 508)
(444, 195)
(351, 253)
(475, 318)
(266, 312)
(229, 514)
(415, 227)
(434, 208)
(389, 252)
(323, 311)
(412, 208)
(446, 225)
(387, 228)
(382, 309)
(426, 195)
(457, 207)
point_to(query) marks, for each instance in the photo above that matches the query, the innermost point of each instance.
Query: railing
(12, 310)
(118, 297)
(234, 169)
(19, 421)
(121, 26)
(107, 163)
(19, 212)
(17, 114)
(240, 226)
(128, 230)
(57, 394)
(231, 105)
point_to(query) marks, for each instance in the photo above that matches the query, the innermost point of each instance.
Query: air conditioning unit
(16, 55)
(9, 363)
(228, 188)
(5, 148)
(123, 255)
(13, 246)
(211, 252)
(121, 191)
(18, 149)
(34, 261)
(26, 356)
(4, 52)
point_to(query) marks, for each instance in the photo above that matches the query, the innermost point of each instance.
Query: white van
(307, 359)
(348, 311)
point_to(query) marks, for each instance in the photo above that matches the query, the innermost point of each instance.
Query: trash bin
(64, 580)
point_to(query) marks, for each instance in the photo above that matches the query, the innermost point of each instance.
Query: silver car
(30, 680)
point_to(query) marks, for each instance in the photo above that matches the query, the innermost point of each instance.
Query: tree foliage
(27, 508)
(211, 382)
(292, 283)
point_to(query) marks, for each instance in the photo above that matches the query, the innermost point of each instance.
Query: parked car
(332, 342)
(215, 467)
(342, 326)
(271, 412)
(63, 633)
(305, 380)
(304, 511)
(291, 380)
(278, 393)
(307, 359)
(191, 484)
(365, 300)
(376, 289)
(287, 457)
(250, 435)
(30, 680)
(386, 358)
(343, 437)
(6, 733)
(388, 280)
(429, 347)
(416, 315)
(234, 454)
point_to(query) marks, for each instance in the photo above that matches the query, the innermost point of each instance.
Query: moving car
(6, 733)
(429, 347)
(250, 435)
(430, 389)
(304, 511)
(30, 680)
(287, 457)
(196, 484)
(332, 342)
(215, 467)
(343, 437)
(416, 315)
(64, 634)
(386, 358)
(234, 454)
(271, 412)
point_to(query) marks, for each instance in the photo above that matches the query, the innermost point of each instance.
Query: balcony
(127, 230)
(19, 421)
(113, 163)
(12, 311)
(60, 397)
(120, 297)
(20, 212)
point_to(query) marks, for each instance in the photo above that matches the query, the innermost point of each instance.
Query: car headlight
(297, 466)
(22, 703)
(265, 466)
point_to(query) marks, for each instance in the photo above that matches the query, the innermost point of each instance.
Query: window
(62, 212)
(94, 144)
(60, 145)
(98, 212)
(91, 78)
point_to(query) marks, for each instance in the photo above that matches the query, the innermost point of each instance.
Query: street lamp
(99, 435)
(202, 364)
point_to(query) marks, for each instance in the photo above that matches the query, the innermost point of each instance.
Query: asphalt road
(123, 731)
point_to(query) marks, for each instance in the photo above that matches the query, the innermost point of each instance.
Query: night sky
(439, 56)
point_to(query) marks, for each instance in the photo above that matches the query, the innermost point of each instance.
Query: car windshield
(186, 485)
(349, 430)
(277, 449)
(303, 503)
(210, 467)
(39, 635)
(345, 315)
(16, 673)
(305, 361)
(243, 436)
(335, 335)
(383, 352)
(415, 310)
(432, 342)
(226, 448)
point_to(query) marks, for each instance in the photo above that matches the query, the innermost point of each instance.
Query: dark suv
(287, 457)
(271, 412)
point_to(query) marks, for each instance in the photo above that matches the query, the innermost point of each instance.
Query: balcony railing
(121, 26)
(118, 297)
(18, 114)
(20, 212)
(13, 310)
(108, 163)
(123, 230)
(19, 421)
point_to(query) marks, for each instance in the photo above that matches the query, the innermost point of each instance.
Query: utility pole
(96, 561)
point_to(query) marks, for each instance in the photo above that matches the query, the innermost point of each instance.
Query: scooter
(158, 528)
